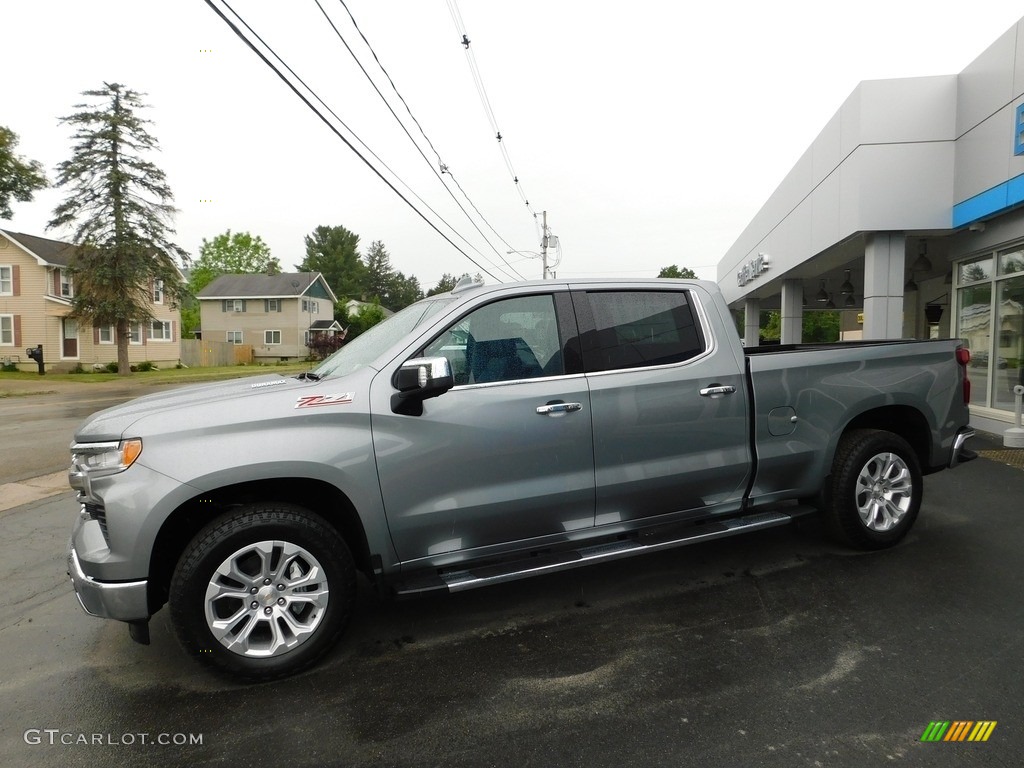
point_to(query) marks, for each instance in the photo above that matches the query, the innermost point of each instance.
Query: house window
(134, 333)
(271, 337)
(273, 305)
(6, 330)
(67, 286)
(7, 282)
(161, 330)
(158, 292)
(106, 334)
(234, 337)
(310, 306)
(238, 305)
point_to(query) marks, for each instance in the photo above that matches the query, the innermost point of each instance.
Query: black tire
(272, 632)
(874, 491)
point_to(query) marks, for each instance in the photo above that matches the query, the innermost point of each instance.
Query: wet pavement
(772, 649)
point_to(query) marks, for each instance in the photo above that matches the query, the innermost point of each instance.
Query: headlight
(104, 458)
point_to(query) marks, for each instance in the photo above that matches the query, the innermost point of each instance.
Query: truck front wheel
(875, 489)
(262, 592)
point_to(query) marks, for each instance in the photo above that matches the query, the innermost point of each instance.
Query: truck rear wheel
(262, 592)
(875, 489)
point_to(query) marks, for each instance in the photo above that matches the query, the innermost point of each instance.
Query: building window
(6, 330)
(134, 333)
(6, 281)
(234, 337)
(273, 305)
(1018, 131)
(990, 320)
(160, 330)
(67, 286)
(271, 337)
(158, 291)
(311, 307)
(106, 334)
(236, 305)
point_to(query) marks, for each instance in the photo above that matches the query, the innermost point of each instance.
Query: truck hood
(111, 423)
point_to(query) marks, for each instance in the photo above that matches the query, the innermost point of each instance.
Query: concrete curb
(35, 489)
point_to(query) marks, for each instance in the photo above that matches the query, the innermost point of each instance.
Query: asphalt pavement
(773, 649)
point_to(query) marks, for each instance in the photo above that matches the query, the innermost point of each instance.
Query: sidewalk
(15, 494)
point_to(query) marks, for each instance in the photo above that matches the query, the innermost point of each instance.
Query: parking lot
(776, 648)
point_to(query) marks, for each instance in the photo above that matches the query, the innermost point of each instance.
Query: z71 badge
(316, 401)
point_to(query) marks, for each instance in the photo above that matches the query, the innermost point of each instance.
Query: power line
(444, 169)
(485, 100)
(334, 130)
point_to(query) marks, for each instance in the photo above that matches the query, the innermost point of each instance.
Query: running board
(497, 573)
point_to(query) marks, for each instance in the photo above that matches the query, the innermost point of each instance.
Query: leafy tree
(676, 272)
(228, 253)
(121, 206)
(367, 317)
(333, 251)
(19, 177)
(445, 284)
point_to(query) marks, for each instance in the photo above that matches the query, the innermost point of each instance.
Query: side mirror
(419, 379)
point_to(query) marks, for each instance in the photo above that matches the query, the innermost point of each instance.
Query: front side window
(635, 329)
(134, 333)
(508, 340)
(271, 337)
(158, 291)
(67, 286)
(234, 337)
(7, 330)
(106, 334)
(6, 281)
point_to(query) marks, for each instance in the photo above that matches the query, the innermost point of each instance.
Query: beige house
(274, 314)
(36, 289)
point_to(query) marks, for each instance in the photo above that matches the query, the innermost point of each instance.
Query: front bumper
(125, 601)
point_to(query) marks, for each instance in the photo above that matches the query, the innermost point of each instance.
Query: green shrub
(111, 367)
(9, 368)
(145, 365)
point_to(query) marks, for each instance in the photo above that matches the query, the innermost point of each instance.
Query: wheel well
(904, 421)
(189, 518)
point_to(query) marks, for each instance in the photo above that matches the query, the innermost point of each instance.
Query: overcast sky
(651, 132)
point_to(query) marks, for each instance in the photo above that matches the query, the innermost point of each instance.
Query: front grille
(99, 513)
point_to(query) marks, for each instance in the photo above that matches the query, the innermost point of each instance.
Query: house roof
(325, 325)
(283, 286)
(46, 251)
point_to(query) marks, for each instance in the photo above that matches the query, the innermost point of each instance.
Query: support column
(751, 322)
(884, 266)
(792, 312)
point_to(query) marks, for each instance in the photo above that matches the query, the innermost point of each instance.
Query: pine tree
(120, 205)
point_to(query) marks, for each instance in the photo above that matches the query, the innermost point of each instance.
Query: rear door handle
(555, 409)
(728, 389)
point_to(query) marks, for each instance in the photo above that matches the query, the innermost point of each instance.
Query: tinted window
(633, 329)
(508, 340)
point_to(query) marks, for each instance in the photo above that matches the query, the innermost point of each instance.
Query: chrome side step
(497, 573)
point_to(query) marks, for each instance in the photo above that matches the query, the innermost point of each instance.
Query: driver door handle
(728, 389)
(554, 409)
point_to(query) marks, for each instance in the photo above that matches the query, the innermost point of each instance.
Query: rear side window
(635, 329)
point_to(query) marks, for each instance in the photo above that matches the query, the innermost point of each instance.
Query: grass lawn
(142, 378)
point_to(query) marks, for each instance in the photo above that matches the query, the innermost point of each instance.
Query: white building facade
(907, 211)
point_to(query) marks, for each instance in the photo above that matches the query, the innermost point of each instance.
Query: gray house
(275, 314)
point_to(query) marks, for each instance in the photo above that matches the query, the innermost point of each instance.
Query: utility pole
(544, 245)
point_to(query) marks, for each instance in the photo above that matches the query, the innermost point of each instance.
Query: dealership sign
(752, 269)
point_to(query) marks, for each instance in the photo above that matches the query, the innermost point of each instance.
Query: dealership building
(906, 213)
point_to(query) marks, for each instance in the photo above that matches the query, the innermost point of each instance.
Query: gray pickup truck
(488, 434)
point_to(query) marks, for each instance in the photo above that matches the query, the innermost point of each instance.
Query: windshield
(367, 346)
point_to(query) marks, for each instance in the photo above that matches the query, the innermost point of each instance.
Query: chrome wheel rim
(884, 492)
(266, 599)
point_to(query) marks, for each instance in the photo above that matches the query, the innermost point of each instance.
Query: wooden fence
(197, 353)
